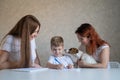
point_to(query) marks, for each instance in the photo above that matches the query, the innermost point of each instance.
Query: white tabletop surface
(68, 74)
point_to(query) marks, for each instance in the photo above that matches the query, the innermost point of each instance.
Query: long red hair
(87, 30)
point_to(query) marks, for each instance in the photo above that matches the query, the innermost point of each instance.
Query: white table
(73, 74)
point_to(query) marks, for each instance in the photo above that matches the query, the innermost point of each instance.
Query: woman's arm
(8, 65)
(36, 63)
(4, 59)
(37, 60)
(3, 56)
(104, 59)
(5, 63)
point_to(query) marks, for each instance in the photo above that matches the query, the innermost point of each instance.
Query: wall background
(62, 17)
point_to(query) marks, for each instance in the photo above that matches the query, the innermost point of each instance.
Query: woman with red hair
(94, 46)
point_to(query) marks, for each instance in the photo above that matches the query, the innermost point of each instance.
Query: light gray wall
(62, 17)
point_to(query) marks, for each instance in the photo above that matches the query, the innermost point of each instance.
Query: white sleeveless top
(97, 53)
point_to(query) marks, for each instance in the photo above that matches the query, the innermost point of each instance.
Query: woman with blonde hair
(19, 46)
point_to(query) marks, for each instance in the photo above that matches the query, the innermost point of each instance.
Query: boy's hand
(60, 66)
(70, 66)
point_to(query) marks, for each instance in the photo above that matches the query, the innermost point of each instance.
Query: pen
(57, 61)
(60, 63)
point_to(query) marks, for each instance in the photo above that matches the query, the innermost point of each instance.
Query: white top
(12, 45)
(33, 50)
(65, 60)
(98, 51)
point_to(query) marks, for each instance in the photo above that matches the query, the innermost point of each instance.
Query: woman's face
(35, 33)
(83, 40)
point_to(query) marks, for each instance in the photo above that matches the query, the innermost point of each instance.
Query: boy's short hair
(57, 41)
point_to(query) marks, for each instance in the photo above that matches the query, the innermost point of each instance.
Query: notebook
(29, 69)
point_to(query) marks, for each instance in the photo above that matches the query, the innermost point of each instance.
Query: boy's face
(57, 51)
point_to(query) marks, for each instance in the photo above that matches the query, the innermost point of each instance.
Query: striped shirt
(65, 60)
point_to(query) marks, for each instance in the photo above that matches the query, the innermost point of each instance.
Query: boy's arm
(70, 66)
(54, 66)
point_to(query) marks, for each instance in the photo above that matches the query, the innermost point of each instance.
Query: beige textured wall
(62, 17)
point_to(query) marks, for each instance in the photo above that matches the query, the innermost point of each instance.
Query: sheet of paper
(30, 69)
(74, 69)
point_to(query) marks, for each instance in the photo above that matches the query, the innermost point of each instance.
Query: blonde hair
(23, 29)
(57, 41)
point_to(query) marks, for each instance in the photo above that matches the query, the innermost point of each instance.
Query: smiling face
(57, 50)
(35, 33)
(83, 40)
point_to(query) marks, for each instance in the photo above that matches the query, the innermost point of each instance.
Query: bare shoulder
(105, 45)
(105, 48)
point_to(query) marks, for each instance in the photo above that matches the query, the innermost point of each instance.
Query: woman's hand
(81, 63)
(60, 66)
(35, 66)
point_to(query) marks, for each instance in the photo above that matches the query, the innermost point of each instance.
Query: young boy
(58, 60)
